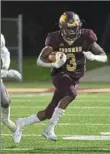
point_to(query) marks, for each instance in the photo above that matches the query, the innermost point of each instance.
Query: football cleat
(9, 124)
(49, 135)
(19, 128)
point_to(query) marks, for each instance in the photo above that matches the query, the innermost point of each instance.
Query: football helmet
(70, 25)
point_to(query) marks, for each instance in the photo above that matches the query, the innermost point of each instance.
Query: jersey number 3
(71, 66)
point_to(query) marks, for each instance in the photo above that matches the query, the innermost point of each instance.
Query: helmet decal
(63, 18)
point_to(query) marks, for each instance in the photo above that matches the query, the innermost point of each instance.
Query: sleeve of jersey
(92, 37)
(50, 41)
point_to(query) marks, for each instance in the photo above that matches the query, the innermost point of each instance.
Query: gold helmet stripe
(63, 18)
(75, 23)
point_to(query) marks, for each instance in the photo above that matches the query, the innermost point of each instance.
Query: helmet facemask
(70, 33)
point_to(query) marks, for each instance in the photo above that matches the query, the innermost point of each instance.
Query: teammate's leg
(36, 118)
(5, 109)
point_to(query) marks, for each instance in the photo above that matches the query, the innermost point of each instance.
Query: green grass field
(88, 115)
(40, 84)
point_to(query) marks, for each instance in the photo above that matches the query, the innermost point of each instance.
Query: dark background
(41, 17)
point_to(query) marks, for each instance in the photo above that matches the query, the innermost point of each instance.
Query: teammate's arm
(5, 54)
(5, 57)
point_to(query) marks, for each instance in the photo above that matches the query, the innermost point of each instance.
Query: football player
(5, 73)
(77, 45)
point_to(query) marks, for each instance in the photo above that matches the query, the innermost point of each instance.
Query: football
(52, 56)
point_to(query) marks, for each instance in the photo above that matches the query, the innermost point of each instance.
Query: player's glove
(90, 56)
(60, 60)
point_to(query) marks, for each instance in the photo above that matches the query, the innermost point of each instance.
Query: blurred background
(25, 25)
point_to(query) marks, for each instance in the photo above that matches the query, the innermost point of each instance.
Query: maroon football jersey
(75, 64)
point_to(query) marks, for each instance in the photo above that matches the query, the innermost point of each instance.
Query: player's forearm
(43, 57)
(42, 63)
(96, 53)
(60, 60)
(100, 58)
(90, 56)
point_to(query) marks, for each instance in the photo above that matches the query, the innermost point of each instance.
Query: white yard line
(38, 135)
(68, 114)
(85, 124)
(87, 137)
(105, 133)
(74, 107)
(70, 137)
(42, 100)
(29, 95)
(77, 124)
(50, 94)
(31, 149)
(28, 135)
(17, 149)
